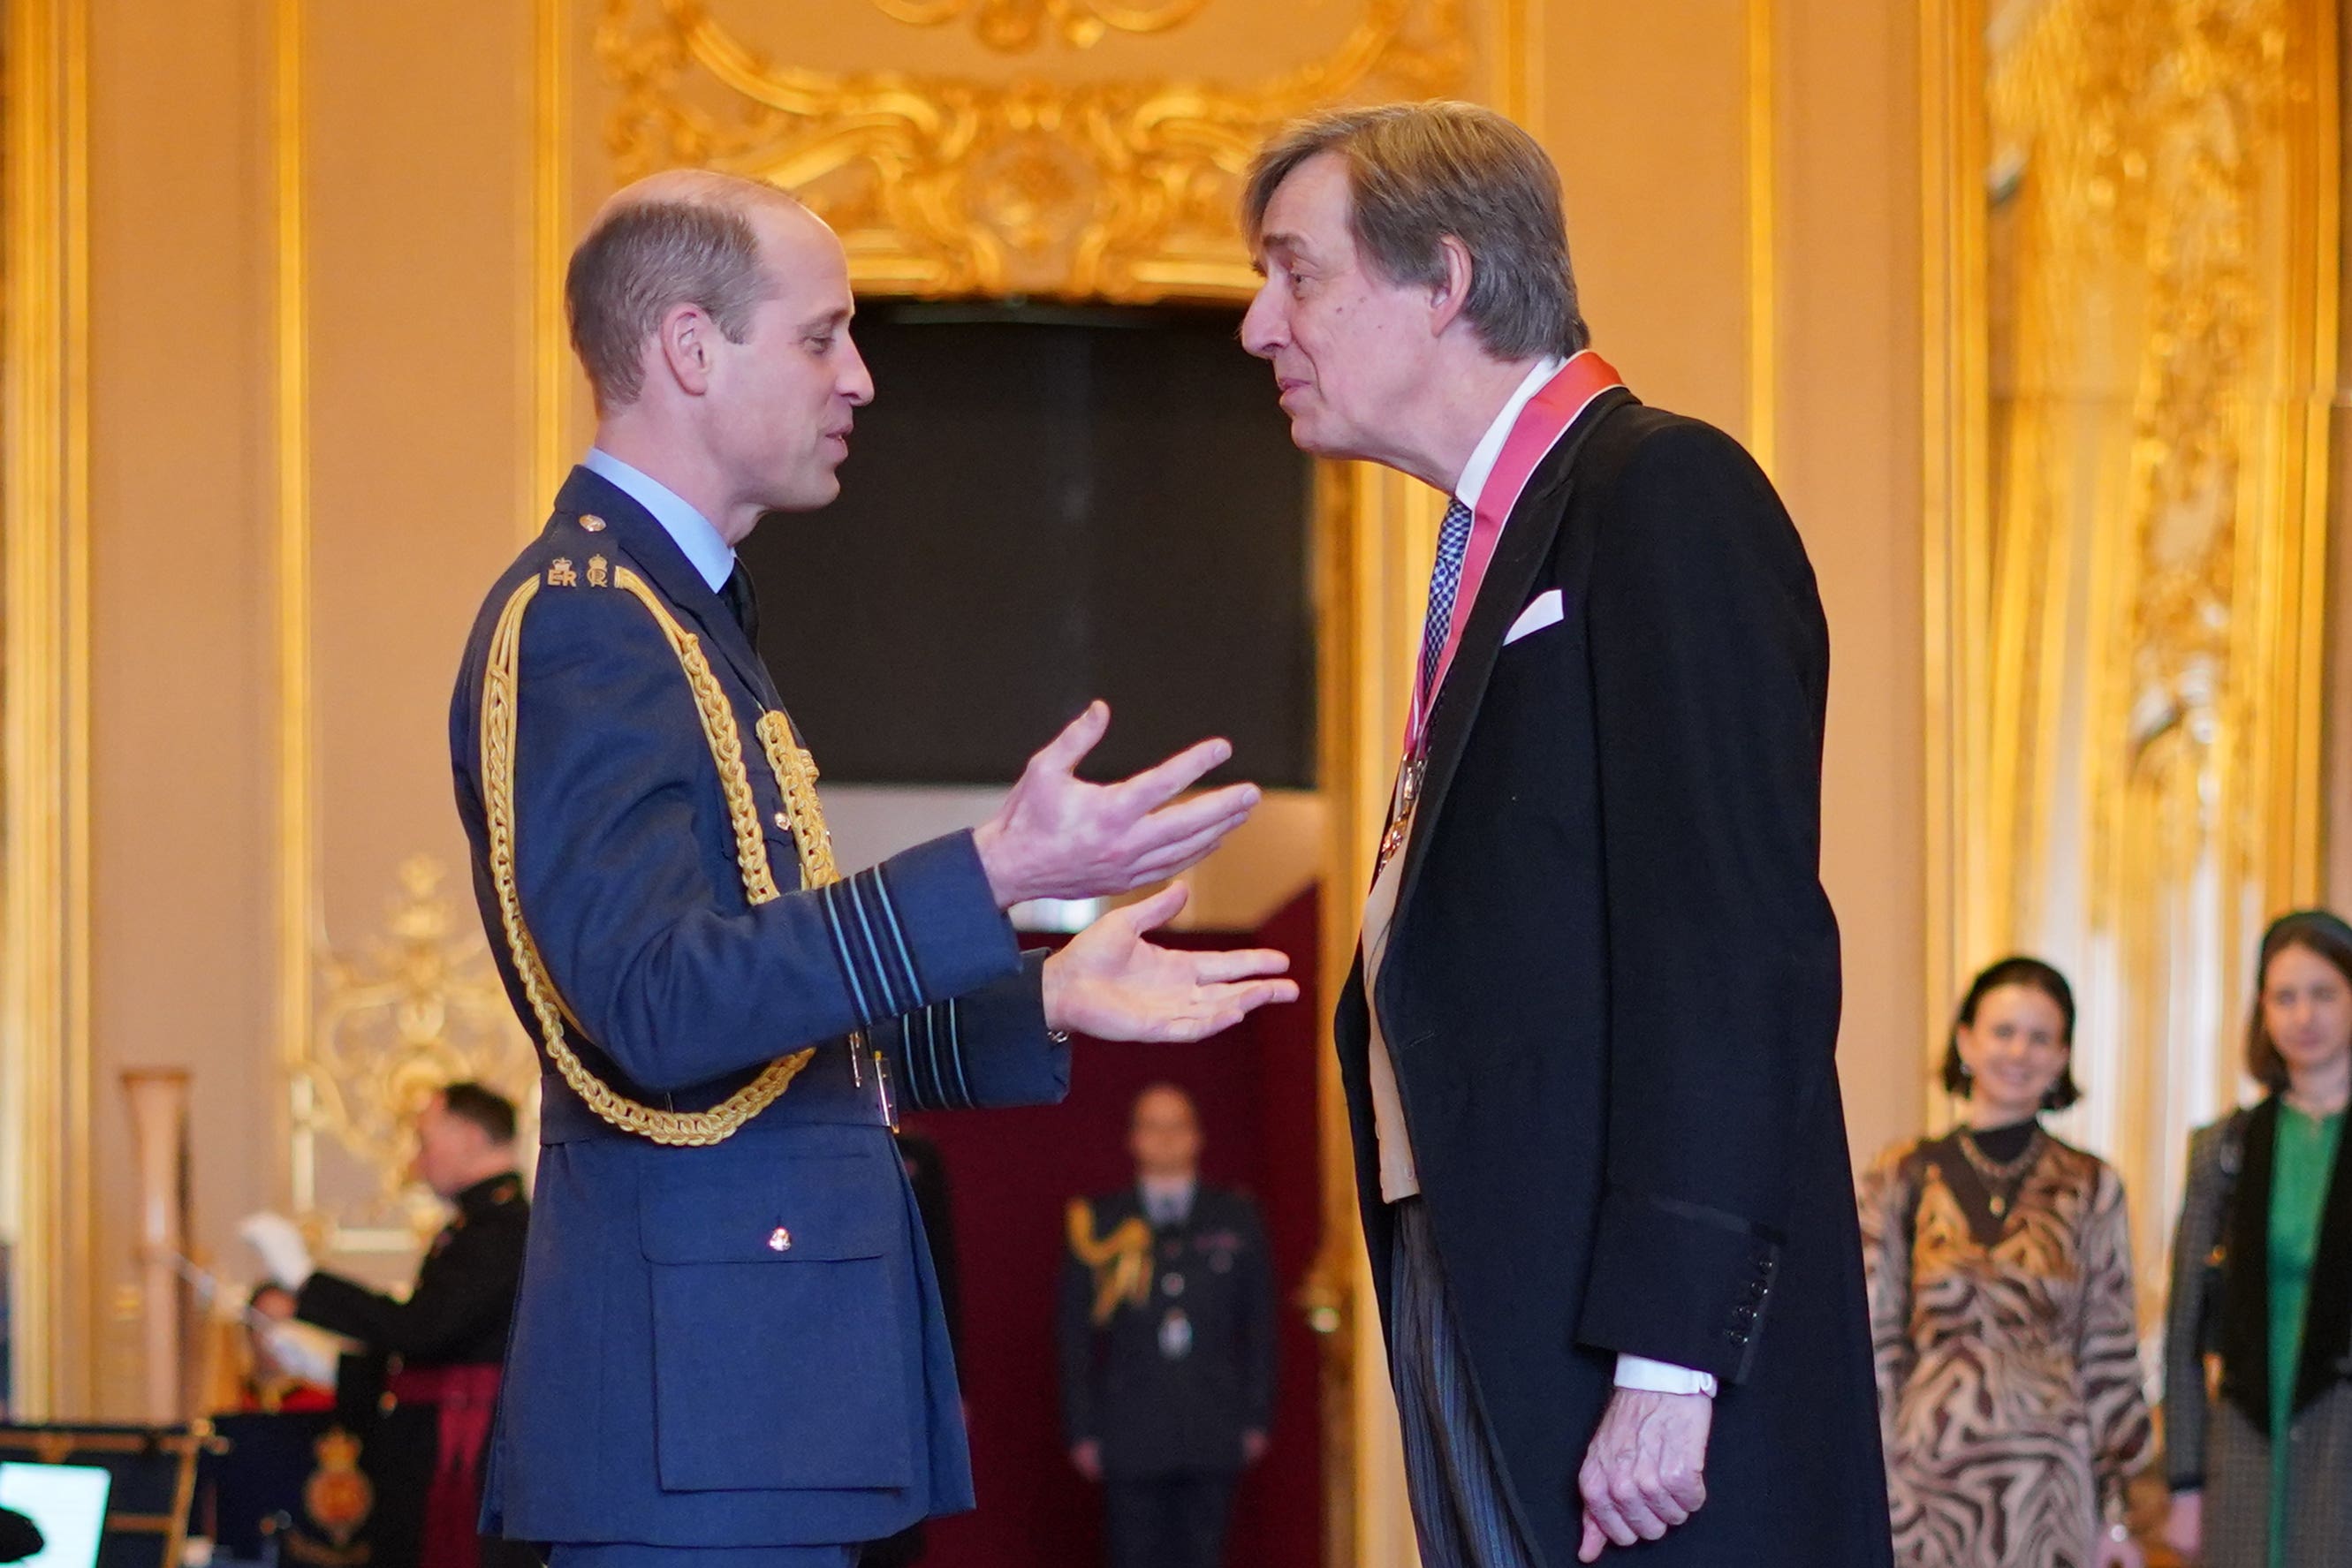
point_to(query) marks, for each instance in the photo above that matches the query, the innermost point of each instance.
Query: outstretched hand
(1057, 837)
(1112, 983)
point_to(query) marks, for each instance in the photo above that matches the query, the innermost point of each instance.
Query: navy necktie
(741, 598)
(1444, 583)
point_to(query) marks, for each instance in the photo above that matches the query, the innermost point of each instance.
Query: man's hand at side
(1645, 1470)
(1113, 985)
(1056, 837)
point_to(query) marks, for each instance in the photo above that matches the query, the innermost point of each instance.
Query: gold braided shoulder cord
(1121, 1261)
(501, 712)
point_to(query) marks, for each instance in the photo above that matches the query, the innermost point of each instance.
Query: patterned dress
(2009, 1378)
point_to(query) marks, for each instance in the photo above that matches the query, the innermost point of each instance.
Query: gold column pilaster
(1955, 591)
(45, 1069)
(1763, 232)
(296, 939)
(1377, 532)
(547, 367)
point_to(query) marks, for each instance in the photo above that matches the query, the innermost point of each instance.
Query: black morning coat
(1612, 996)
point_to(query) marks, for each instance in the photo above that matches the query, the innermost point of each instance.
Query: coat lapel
(2246, 1271)
(2327, 1310)
(1519, 555)
(673, 577)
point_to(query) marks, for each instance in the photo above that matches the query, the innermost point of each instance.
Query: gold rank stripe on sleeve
(501, 717)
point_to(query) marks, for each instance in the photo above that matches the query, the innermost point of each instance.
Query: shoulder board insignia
(592, 522)
(560, 573)
(600, 572)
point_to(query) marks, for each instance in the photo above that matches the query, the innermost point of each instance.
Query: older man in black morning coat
(1588, 1044)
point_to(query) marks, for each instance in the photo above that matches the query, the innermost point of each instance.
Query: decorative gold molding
(419, 1006)
(547, 372)
(1956, 557)
(1119, 190)
(2132, 250)
(45, 1042)
(1013, 26)
(1518, 66)
(1763, 232)
(298, 933)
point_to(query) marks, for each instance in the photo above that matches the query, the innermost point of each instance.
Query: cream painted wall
(1849, 461)
(1647, 117)
(418, 263)
(181, 697)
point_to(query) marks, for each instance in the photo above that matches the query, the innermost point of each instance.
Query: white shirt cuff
(1662, 1376)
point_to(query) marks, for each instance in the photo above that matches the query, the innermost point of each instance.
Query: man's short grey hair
(1420, 172)
(686, 240)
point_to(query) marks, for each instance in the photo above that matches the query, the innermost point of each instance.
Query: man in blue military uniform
(729, 1345)
(1168, 1339)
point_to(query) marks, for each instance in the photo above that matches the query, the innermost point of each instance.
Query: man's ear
(682, 344)
(1449, 295)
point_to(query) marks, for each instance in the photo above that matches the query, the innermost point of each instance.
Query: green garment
(2300, 1172)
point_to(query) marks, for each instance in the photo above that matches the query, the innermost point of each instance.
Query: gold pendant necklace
(2001, 1178)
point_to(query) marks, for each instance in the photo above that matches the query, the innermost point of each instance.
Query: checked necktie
(1444, 583)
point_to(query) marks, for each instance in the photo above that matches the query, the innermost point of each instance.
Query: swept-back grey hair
(1420, 172)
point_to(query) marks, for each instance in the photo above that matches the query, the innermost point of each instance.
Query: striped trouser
(1462, 1509)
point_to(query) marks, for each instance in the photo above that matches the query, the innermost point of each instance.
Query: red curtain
(1010, 1174)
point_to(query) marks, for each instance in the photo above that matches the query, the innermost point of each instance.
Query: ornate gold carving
(1120, 190)
(419, 1006)
(2141, 341)
(1014, 25)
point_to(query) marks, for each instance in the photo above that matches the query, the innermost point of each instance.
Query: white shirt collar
(1475, 473)
(712, 556)
(1174, 1192)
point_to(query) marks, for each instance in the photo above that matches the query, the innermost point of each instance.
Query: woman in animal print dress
(2001, 1303)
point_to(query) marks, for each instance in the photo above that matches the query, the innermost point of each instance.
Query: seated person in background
(1166, 1339)
(450, 1335)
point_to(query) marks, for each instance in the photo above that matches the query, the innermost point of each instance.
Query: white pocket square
(1541, 611)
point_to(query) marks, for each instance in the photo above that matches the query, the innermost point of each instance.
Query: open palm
(1112, 982)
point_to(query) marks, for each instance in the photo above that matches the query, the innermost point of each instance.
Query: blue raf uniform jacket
(739, 1344)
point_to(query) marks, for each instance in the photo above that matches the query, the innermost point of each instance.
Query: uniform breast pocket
(783, 1307)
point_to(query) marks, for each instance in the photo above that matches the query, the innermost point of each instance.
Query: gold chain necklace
(2001, 1178)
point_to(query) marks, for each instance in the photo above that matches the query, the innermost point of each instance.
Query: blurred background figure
(1167, 1336)
(1998, 1262)
(442, 1345)
(2260, 1460)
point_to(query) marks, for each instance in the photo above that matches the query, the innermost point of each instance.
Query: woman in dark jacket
(2261, 1466)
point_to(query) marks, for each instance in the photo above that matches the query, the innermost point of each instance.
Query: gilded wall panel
(2135, 211)
(1113, 184)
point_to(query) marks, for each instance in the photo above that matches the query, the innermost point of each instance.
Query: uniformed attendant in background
(1167, 1340)
(445, 1341)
